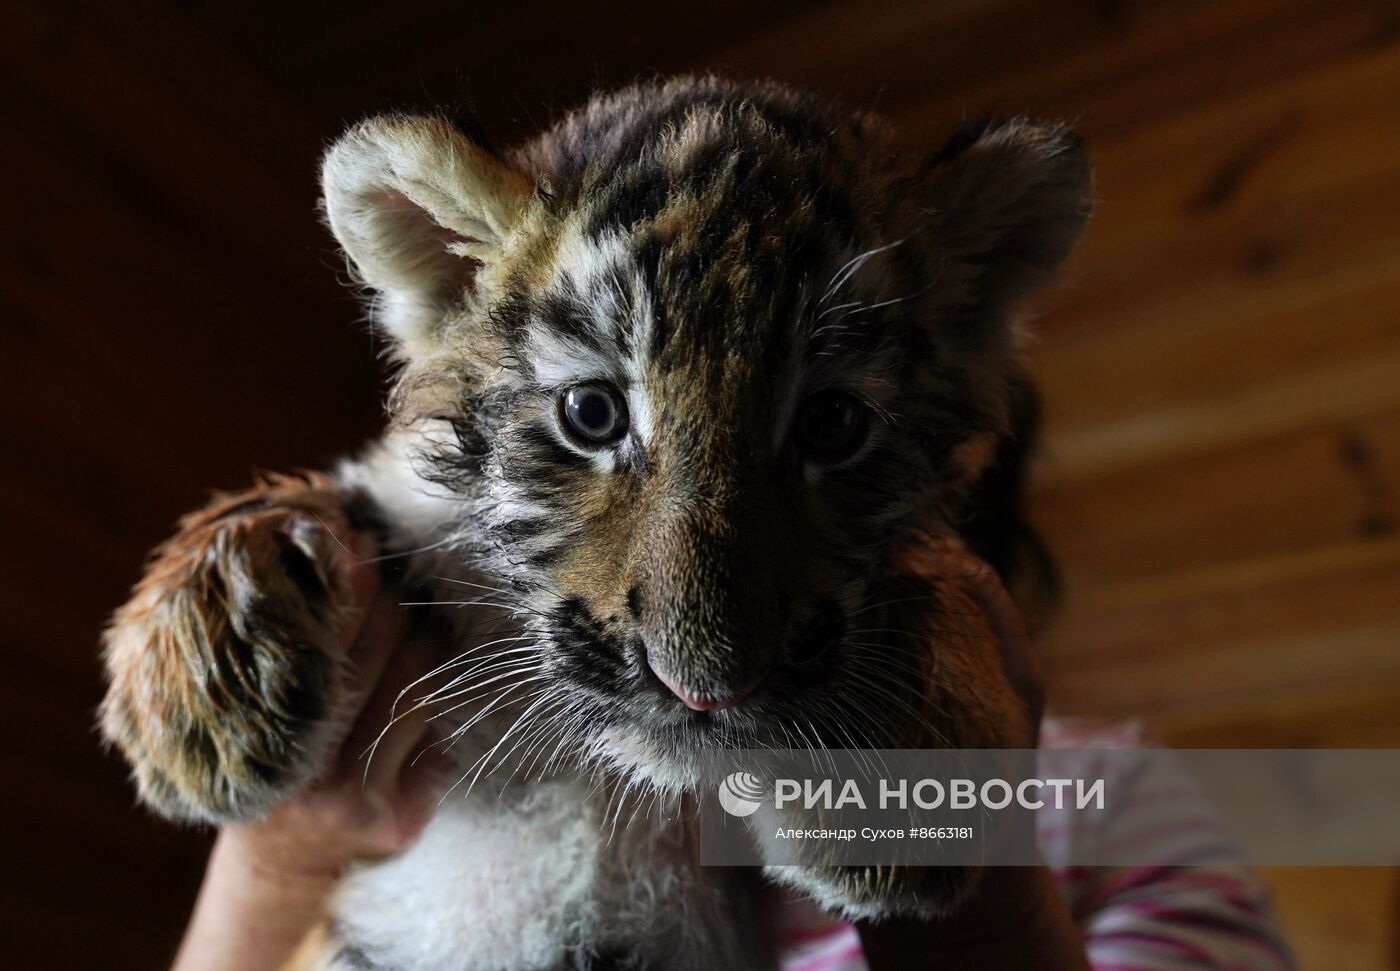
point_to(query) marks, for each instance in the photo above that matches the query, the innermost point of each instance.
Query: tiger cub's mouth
(831, 687)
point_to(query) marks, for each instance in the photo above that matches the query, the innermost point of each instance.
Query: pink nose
(696, 702)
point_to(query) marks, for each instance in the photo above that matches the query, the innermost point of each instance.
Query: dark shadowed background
(1221, 367)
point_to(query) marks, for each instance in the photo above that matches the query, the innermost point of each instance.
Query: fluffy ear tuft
(1008, 201)
(419, 208)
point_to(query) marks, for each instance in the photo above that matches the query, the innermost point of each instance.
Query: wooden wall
(1221, 366)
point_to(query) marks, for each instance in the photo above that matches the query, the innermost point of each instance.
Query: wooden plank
(1356, 716)
(1157, 63)
(1110, 68)
(927, 51)
(1243, 592)
(1175, 345)
(1212, 639)
(1340, 394)
(1318, 485)
(1197, 685)
(76, 56)
(1205, 355)
(1292, 181)
(1337, 917)
(510, 74)
(197, 321)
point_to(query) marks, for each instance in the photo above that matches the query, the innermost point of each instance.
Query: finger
(405, 739)
(393, 715)
(349, 560)
(364, 667)
(360, 550)
(1020, 661)
(403, 813)
(381, 632)
(421, 785)
(360, 717)
(1019, 658)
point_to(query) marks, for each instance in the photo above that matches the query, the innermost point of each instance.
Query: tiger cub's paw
(224, 666)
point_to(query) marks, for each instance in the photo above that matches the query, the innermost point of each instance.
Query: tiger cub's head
(691, 368)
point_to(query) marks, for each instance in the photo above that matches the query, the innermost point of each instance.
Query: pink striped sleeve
(1201, 909)
(1203, 912)
(814, 941)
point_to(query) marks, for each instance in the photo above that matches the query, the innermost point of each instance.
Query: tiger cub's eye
(832, 426)
(594, 414)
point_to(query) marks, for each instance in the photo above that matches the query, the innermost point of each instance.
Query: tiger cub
(678, 382)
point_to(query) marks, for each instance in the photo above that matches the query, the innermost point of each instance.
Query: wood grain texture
(1221, 474)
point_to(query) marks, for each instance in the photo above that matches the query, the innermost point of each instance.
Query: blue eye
(594, 414)
(832, 426)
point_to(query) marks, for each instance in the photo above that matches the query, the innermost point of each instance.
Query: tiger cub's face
(694, 365)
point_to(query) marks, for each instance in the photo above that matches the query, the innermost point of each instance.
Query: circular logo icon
(741, 793)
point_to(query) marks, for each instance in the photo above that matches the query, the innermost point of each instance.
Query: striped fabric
(1203, 911)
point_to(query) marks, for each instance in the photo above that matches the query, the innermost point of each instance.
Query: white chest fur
(535, 878)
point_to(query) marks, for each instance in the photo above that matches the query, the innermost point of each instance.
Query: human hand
(269, 880)
(385, 780)
(1015, 916)
(948, 560)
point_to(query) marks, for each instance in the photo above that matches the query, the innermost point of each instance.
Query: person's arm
(248, 915)
(1183, 895)
(269, 882)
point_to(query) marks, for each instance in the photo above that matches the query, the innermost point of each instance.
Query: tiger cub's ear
(1007, 201)
(421, 211)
